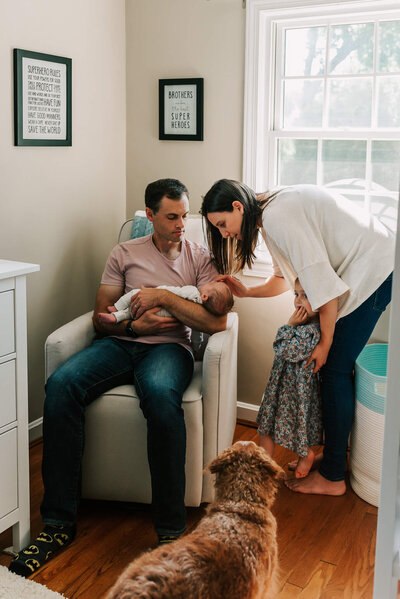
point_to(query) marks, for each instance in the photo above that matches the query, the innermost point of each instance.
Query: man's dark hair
(155, 191)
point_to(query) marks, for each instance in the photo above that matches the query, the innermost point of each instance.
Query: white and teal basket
(367, 434)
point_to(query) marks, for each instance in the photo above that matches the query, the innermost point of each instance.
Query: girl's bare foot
(315, 465)
(267, 444)
(316, 484)
(304, 465)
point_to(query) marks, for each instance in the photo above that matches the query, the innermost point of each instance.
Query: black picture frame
(42, 99)
(180, 103)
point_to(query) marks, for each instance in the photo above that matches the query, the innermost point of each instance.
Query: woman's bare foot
(316, 484)
(104, 317)
(315, 464)
(304, 465)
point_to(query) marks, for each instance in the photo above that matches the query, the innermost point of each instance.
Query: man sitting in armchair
(150, 351)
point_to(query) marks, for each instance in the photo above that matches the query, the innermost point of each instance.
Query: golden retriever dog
(232, 553)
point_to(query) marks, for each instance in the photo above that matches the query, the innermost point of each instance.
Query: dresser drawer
(8, 469)
(7, 343)
(8, 404)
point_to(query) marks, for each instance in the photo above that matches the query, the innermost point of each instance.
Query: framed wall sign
(181, 109)
(42, 99)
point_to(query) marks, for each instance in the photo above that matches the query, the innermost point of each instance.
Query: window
(322, 100)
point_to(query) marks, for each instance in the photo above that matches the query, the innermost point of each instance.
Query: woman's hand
(327, 321)
(320, 355)
(234, 285)
(145, 299)
(298, 317)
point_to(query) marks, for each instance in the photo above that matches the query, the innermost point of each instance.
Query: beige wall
(61, 207)
(175, 39)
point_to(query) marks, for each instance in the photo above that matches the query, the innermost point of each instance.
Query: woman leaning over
(343, 258)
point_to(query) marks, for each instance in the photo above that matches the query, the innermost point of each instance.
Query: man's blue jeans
(337, 378)
(160, 373)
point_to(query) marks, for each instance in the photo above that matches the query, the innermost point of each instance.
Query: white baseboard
(35, 429)
(247, 411)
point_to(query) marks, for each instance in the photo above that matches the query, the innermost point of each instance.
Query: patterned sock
(167, 539)
(44, 547)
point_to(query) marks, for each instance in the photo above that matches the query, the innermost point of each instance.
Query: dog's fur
(233, 551)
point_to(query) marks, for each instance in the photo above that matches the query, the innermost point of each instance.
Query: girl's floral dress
(290, 410)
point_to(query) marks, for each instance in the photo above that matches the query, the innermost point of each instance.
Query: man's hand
(145, 299)
(151, 324)
(189, 313)
(320, 355)
(148, 324)
(298, 317)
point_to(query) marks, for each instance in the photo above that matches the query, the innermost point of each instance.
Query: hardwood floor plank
(326, 539)
(289, 591)
(318, 581)
(301, 523)
(353, 577)
(352, 519)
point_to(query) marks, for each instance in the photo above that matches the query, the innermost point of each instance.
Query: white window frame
(263, 22)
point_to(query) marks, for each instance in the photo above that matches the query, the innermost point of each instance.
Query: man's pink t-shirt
(138, 262)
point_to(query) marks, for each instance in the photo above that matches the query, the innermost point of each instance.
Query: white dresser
(14, 455)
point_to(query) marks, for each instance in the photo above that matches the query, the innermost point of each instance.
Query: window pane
(343, 163)
(305, 51)
(351, 49)
(389, 102)
(385, 210)
(350, 102)
(357, 200)
(389, 46)
(302, 103)
(386, 164)
(297, 161)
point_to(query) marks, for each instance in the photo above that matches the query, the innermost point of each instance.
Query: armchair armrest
(220, 389)
(68, 340)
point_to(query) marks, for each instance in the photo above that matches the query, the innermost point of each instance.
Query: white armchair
(115, 463)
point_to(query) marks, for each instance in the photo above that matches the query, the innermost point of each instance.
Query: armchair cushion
(141, 226)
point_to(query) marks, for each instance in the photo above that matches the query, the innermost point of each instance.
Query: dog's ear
(221, 461)
(271, 467)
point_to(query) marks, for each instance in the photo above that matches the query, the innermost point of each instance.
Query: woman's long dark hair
(230, 255)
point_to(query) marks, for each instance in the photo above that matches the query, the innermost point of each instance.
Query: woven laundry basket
(367, 433)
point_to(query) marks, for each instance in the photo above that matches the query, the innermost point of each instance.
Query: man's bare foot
(104, 317)
(304, 465)
(315, 464)
(316, 484)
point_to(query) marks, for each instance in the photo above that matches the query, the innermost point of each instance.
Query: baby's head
(301, 300)
(216, 297)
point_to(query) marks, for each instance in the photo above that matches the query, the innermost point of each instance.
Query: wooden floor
(326, 544)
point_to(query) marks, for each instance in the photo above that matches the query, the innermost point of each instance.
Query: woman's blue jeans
(160, 373)
(337, 378)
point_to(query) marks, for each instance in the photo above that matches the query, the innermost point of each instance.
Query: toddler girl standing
(290, 412)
